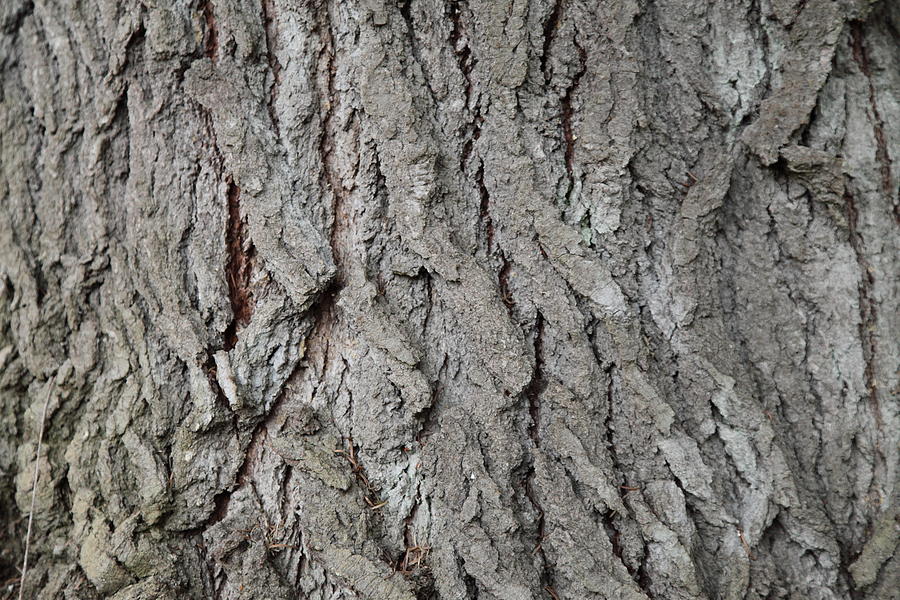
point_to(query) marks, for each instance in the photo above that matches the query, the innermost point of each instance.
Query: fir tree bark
(497, 299)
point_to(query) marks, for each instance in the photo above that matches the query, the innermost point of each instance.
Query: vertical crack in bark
(359, 472)
(415, 53)
(608, 518)
(532, 393)
(428, 414)
(503, 282)
(536, 385)
(412, 558)
(463, 53)
(211, 41)
(550, 25)
(261, 430)
(239, 266)
(223, 498)
(861, 56)
(484, 208)
(867, 306)
(466, 63)
(327, 142)
(475, 127)
(566, 118)
(270, 27)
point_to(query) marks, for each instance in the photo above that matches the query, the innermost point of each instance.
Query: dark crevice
(318, 313)
(475, 128)
(239, 267)
(861, 56)
(429, 298)
(614, 536)
(532, 393)
(566, 118)
(550, 25)
(405, 6)
(223, 498)
(608, 427)
(211, 35)
(537, 383)
(414, 56)
(427, 414)
(545, 575)
(643, 578)
(484, 208)
(17, 19)
(220, 502)
(270, 28)
(462, 51)
(624, 489)
(503, 281)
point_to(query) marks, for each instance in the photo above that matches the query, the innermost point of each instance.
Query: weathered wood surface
(500, 299)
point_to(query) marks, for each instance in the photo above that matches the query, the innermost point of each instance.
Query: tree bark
(496, 299)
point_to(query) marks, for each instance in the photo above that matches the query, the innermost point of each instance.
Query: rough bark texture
(471, 299)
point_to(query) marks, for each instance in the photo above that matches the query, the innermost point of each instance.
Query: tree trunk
(497, 299)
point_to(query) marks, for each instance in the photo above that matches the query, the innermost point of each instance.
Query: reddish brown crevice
(211, 41)
(270, 27)
(550, 26)
(868, 315)
(861, 56)
(239, 267)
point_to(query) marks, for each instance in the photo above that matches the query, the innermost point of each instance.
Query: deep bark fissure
(503, 283)
(550, 26)
(861, 56)
(211, 37)
(567, 114)
(623, 488)
(22, 13)
(239, 266)
(463, 53)
(270, 27)
(532, 394)
(484, 209)
(539, 408)
(475, 127)
(537, 383)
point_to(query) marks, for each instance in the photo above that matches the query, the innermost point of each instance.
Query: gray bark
(497, 299)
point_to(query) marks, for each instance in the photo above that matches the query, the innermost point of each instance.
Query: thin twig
(34, 483)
